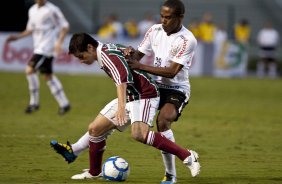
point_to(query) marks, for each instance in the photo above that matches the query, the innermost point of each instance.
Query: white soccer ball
(115, 169)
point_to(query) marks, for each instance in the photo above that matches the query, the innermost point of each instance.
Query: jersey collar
(99, 52)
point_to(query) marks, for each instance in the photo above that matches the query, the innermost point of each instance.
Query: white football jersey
(178, 47)
(268, 37)
(45, 22)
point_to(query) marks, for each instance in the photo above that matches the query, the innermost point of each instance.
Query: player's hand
(121, 117)
(11, 38)
(58, 48)
(134, 64)
(128, 52)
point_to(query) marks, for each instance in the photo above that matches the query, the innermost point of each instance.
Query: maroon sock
(96, 151)
(162, 143)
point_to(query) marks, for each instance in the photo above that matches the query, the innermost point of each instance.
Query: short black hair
(79, 42)
(244, 22)
(177, 5)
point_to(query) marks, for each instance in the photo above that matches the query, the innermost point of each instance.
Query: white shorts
(140, 110)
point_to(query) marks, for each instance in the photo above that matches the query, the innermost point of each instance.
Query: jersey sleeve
(117, 68)
(59, 18)
(29, 25)
(183, 50)
(145, 46)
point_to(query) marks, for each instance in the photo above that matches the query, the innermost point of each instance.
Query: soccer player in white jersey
(268, 41)
(137, 102)
(48, 27)
(173, 47)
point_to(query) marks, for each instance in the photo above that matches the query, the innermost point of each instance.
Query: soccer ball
(115, 169)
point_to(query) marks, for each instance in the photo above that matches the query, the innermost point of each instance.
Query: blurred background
(226, 30)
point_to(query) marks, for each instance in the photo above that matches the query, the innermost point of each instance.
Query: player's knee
(29, 70)
(163, 124)
(138, 136)
(93, 130)
(48, 77)
(167, 117)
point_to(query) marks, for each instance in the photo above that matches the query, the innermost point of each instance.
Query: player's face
(40, 2)
(87, 57)
(171, 23)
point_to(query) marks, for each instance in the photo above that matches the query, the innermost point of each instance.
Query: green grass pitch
(234, 124)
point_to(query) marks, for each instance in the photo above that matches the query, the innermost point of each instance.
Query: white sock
(33, 86)
(272, 70)
(169, 159)
(57, 91)
(81, 145)
(260, 69)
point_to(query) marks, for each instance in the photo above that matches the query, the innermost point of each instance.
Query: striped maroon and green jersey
(139, 84)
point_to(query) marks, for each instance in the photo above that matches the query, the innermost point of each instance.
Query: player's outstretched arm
(168, 72)
(18, 36)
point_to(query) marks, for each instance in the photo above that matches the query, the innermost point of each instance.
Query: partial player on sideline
(48, 27)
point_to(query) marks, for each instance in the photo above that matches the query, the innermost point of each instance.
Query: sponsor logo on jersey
(173, 50)
(158, 62)
(184, 47)
(167, 86)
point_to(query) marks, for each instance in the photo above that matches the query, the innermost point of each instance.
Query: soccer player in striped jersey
(173, 47)
(136, 104)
